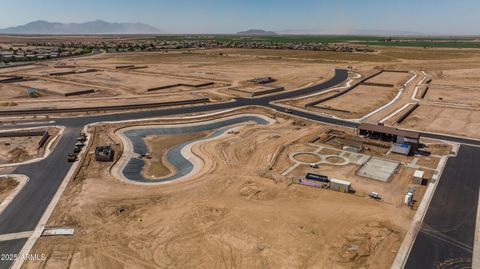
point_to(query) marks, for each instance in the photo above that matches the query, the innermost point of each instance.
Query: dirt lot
(55, 88)
(455, 86)
(227, 69)
(129, 83)
(232, 67)
(396, 79)
(7, 184)
(20, 149)
(359, 101)
(457, 121)
(237, 213)
(161, 69)
(46, 89)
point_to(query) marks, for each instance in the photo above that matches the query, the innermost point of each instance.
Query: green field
(426, 43)
(273, 38)
(431, 42)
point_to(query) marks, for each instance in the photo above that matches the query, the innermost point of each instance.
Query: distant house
(19, 57)
(6, 55)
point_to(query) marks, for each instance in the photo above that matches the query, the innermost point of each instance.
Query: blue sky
(228, 16)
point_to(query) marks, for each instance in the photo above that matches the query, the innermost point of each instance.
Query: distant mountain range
(91, 27)
(256, 32)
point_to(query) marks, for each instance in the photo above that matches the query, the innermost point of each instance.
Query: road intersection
(25, 211)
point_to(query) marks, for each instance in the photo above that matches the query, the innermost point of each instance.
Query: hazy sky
(227, 16)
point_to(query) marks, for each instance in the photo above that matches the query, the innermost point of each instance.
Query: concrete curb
(476, 242)
(22, 180)
(347, 84)
(186, 152)
(395, 112)
(48, 147)
(394, 100)
(48, 212)
(410, 236)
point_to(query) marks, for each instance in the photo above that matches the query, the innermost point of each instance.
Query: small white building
(418, 177)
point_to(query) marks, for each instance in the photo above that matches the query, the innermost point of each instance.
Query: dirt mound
(365, 243)
(6, 186)
(251, 190)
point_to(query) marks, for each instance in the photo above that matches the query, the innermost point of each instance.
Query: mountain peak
(91, 27)
(256, 32)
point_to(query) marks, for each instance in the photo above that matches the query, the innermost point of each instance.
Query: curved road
(25, 211)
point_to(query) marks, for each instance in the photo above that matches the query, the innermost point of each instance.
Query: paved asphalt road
(25, 211)
(446, 236)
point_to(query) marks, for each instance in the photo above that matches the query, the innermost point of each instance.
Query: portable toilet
(31, 92)
(418, 177)
(408, 198)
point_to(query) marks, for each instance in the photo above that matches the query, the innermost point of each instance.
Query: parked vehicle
(71, 157)
(77, 149)
(375, 195)
(82, 137)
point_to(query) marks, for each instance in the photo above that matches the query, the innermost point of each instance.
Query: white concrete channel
(187, 164)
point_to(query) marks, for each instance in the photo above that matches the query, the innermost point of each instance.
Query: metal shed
(104, 153)
(340, 185)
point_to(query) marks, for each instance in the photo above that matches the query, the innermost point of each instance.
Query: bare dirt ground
(455, 86)
(51, 88)
(20, 149)
(237, 213)
(55, 88)
(397, 79)
(158, 145)
(457, 121)
(7, 185)
(359, 101)
(113, 86)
